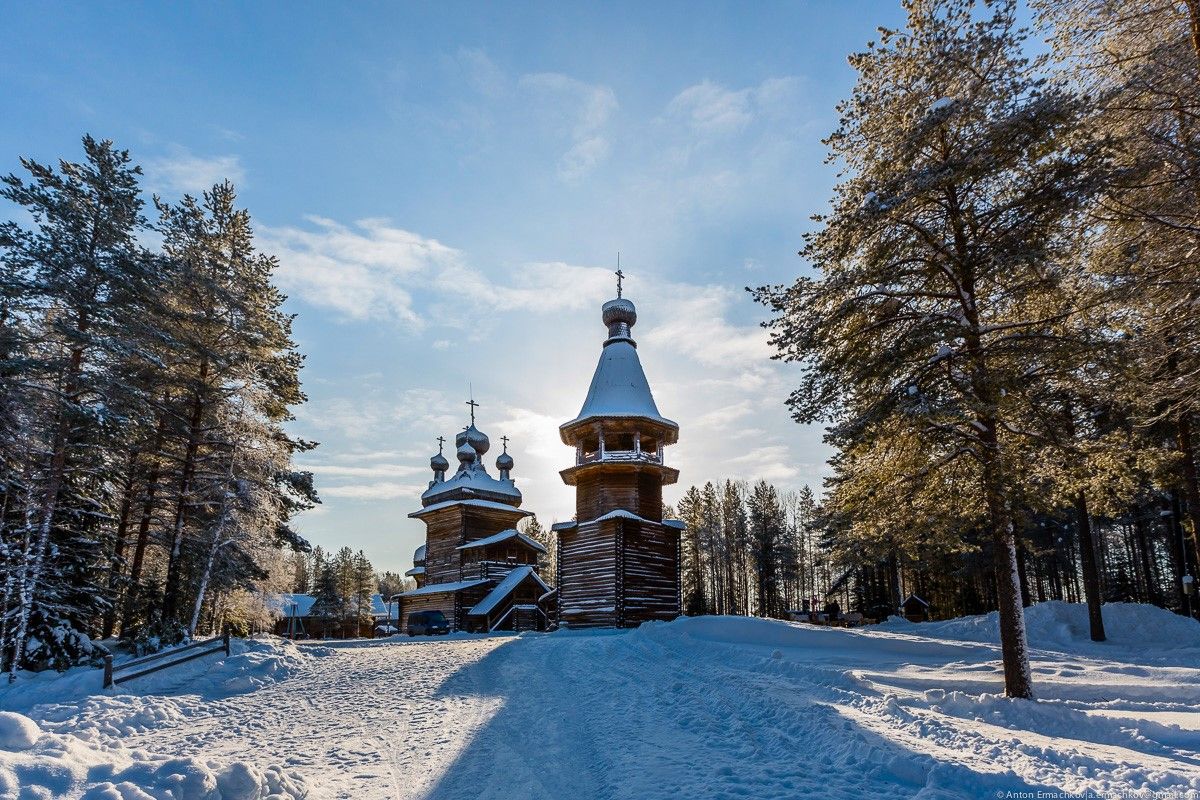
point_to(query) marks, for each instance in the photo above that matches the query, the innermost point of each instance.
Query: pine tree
(1141, 61)
(77, 275)
(328, 602)
(690, 512)
(940, 272)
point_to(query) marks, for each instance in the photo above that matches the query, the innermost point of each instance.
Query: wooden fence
(168, 658)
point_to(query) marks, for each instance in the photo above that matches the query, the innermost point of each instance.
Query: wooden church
(475, 567)
(618, 561)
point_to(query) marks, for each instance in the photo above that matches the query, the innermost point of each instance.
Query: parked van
(427, 623)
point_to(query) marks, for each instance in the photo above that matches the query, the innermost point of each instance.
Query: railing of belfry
(159, 661)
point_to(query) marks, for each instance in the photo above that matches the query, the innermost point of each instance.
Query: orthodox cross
(620, 277)
(473, 406)
(441, 440)
(505, 440)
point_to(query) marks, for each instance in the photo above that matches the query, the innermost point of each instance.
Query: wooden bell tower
(618, 562)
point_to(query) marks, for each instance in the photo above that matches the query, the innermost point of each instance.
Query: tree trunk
(1091, 576)
(1014, 648)
(1191, 485)
(114, 570)
(171, 591)
(1023, 577)
(143, 534)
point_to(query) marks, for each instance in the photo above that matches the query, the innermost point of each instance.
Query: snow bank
(252, 664)
(65, 766)
(17, 732)
(78, 751)
(1055, 625)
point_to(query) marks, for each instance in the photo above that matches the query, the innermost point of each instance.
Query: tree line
(1002, 325)
(146, 373)
(341, 585)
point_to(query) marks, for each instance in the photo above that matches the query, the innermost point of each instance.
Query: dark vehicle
(427, 623)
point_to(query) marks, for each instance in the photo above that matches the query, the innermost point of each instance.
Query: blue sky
(447, 185)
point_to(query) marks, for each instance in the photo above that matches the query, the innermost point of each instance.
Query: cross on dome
(620, 277)
(473, 406)
(505, 440)
(441, 440)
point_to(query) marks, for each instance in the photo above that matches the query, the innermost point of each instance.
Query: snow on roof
(302, 605)
(285, 604)
(473, 478)
(473, 503)
(415, 571)
(437, 588)
(619, 388)
(502, 536)
(505, 588)
(914, 597)
(618, 513)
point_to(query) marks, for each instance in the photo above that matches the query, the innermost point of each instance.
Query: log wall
(587, 570)
(651, 573)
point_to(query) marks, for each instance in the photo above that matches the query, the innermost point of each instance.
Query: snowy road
(703, 708)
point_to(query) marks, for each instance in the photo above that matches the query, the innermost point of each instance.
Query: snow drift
(1055, 625)
(76, 749)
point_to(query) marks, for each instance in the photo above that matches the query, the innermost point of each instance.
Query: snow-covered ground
(714, 707)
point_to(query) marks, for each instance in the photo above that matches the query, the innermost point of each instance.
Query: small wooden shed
(915, 609)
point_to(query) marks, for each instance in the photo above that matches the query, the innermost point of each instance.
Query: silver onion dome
(504, 462)
(466, 453)
(476, 438)
(619, 315)
(439, 463)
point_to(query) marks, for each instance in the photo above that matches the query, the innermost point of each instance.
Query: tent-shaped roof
(503, 536)
(505, 588)
(619, 389)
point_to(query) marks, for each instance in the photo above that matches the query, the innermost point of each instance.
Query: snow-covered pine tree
(82, 279)
(235, 373)
(938, 265)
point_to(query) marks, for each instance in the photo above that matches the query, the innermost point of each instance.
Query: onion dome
(504, 462)
(476, 438)
(619, 315)
(466, 453)
(419, 556)
(439, 463)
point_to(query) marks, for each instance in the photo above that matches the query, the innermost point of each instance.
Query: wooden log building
(619, 560)
(475, 567)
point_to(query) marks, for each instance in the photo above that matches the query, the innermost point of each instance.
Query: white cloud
(183, 171)
(384, 490)
(696, 325)
(582, 109)
(711, 109)
(364, 271)
(372, 269)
